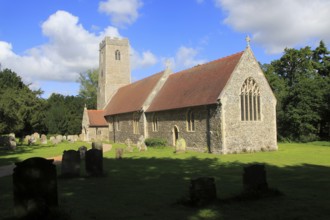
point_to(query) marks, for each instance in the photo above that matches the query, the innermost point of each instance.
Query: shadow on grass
(149, 188)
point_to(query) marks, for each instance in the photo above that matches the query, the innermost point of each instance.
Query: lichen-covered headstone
(94, 162)
(35, 188)
(202, 191)
(70, 166)
(82, 151)
(180, 145)
(254, 178)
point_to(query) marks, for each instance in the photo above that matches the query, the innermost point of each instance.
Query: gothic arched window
(117, 55)
(250, 100)
(190, 121)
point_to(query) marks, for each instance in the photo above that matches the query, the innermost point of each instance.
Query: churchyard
(154, 184)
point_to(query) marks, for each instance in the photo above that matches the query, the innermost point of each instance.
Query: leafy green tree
(88, 87)
(300, 81)
(64, 114)
(19, 105)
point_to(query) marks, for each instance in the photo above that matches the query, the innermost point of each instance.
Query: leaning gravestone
(82, 152)
(119, 153)
(180, 145)
(70, 166)
(35, 188)
(94, 162)
(202, 191)
(254, 178)
(128, 143)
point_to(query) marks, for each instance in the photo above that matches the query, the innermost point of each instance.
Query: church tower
(114, 68)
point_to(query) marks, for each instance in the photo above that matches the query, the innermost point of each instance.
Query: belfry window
(190, 121)
(117, 55)
(250, 100)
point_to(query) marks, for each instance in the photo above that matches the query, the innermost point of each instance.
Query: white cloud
(184, 58)
(277, 24)
(122, 12)
(71, 50)
(200, 1)
(143, 60)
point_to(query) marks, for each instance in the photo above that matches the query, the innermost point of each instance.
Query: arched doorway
(175, 133)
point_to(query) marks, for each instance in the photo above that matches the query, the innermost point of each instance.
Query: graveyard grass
(150, 185)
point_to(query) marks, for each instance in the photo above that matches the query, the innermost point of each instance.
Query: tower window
(117, 55)
(250, 101)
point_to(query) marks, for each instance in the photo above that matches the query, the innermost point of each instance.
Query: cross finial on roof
(168, 63)
(248, 39)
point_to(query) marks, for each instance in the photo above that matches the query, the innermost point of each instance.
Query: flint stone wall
(248, 136)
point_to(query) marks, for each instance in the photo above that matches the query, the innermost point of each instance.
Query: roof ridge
(133, 83)
(212, 61)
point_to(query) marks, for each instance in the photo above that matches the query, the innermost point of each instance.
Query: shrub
(155, 142)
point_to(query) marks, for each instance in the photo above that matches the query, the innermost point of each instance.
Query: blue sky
(49, 42)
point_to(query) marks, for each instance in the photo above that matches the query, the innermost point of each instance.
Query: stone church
(223, 106)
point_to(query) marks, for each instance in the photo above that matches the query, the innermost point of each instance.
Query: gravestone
(82, 151)
(75, 137)
(12, 135)
(53, 140)
(202, 191)
(64, 138)
(119, 153)
(129, 147)
(32, 140)
(70, 166)
(141, 145)
(254, 178)
(94, 162)
(97, 145)
(180, 145)
(35, 188)
(59, 138)
(43, 139)
(36, 136)
(27, 138)
(12, 143)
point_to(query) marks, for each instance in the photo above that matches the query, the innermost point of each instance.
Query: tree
(19, 105)
(64, 114)
(300, 81)
(88, 87)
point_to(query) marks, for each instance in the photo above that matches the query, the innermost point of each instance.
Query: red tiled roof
(96, 118)
(200, 85)
(131, 98)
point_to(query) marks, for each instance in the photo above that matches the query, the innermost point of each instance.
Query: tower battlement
(114, 41)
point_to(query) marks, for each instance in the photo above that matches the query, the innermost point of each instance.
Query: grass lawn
(147, 185)
(24, 151)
